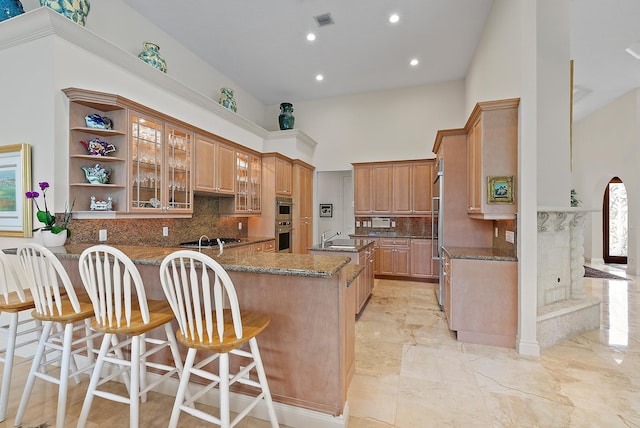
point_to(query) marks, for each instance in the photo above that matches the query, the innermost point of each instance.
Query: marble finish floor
(411, 372)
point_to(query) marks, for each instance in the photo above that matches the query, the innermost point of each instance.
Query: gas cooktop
(208, 243)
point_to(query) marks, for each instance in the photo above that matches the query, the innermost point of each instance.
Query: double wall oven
(284, 218)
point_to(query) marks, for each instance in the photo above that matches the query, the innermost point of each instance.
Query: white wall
(121, 25)
(606, 144)
(386, 125)
(335, 187)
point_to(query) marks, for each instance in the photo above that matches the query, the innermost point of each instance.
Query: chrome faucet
(200, 242)
(324, 238)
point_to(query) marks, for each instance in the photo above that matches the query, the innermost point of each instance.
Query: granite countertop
(352, 271)
(267, 263)
(483, 253)
(357, 244)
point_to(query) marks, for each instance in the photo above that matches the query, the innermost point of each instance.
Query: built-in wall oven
(283, 226)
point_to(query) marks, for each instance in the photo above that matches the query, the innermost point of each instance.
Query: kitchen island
(308, 348)
(361, 252)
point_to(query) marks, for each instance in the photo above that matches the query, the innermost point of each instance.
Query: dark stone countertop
(265, 263)
(482, 253)
(374, 235)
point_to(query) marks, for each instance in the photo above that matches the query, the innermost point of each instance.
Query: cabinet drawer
(394, 242)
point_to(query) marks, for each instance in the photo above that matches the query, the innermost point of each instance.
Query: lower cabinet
(365, 281)
(480, 300)
(422, 263)
(395, 257)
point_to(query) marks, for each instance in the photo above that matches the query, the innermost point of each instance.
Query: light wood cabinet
(372, 187)
(395, 257)
(284, 175)
(480, 300)
(248, 196)
(160, 165)
(214, 169)
(492, 146)
(302, 206)
(393, 188)
(422, 263)
(80, 190)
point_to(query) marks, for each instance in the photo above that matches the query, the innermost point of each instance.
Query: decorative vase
(10, 8)
(286, 118)
(226, 99)
(151, 55)
(75, 10)
(50, 239)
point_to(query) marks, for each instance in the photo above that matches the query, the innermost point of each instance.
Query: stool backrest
(110, 278)
(12, 279)
(46, 277)
(198, 288)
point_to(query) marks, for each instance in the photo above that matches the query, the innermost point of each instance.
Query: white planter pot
(53, 239)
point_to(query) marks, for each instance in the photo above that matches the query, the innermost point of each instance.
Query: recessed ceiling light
(394, 18)
(319, 77)
(414, 62)
(311, 37)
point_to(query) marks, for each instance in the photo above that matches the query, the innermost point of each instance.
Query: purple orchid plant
(45, 216)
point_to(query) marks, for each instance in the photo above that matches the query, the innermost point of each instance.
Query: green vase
(286, 119)
(151, 55)
(10, 8)
(75, 10)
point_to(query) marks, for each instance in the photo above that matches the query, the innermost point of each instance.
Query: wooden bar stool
(197, 288)
(121, 308)
(14, 299)
(56, 302)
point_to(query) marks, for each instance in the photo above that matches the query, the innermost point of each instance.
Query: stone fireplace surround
(564, 309)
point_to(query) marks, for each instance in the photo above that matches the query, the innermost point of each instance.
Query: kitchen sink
(347, 244)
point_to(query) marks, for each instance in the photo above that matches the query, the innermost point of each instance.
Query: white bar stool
(14, 299)
(197, 288)
(56, 302)
(121, 308)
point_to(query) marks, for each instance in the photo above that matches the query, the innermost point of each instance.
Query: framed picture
(326, 210)
(500, 190)
(15, 181)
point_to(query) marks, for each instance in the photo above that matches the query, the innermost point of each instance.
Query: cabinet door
(402, 261)
(421, 187)
(402, 188)
(446, 291)
(362, 178)
(203, 177)
(255, 182)
(421, 263)
(381, 188)
(177, 182)
(386, 260)
(146, 160)
(225, 174)
(283, 177)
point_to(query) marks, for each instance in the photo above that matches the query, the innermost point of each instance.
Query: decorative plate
(155, 202)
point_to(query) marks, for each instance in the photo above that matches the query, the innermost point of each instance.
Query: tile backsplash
(404, 226)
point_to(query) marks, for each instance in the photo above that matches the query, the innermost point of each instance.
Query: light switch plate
(509, 236)
(102, 235)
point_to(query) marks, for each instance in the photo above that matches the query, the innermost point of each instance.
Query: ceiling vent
(324, 19)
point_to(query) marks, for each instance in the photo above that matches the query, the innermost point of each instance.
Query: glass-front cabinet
(160, 161)
(249, 175)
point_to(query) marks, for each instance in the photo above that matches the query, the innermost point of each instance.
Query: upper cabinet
(393, 188)
(284, 176)
(492, 160)
(84, 141)
(214, 170)
(160, 165)
(248, 198)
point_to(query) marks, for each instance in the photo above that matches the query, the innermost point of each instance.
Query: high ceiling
(261, 45)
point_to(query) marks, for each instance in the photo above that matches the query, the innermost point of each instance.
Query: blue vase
(10, 8)
(286, 118)
(226, 99)
(75, 10)
(151, 55)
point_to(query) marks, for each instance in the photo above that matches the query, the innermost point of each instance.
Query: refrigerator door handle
(435, 251)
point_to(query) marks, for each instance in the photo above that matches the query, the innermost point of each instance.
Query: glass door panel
(146, 162)
(242, 183)
(178, 184)
(256, 180)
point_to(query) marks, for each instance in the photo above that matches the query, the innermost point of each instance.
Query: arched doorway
(615, 222)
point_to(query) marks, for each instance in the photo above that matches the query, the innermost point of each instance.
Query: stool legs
(262, 377)
(8, 365)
